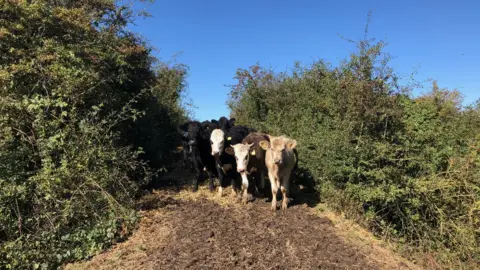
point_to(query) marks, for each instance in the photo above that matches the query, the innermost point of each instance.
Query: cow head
(277, 146)
(194, 133)
(231, 122)
(224, 123)
(242, 155)
(217, 140)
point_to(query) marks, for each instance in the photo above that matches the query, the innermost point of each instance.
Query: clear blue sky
(440, 39)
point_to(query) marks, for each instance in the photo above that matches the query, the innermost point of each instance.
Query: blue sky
(438, 39)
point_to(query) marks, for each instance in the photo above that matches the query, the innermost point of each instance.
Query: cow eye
(211, 142)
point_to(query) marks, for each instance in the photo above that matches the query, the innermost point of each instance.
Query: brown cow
(280, 161)
(250, 159)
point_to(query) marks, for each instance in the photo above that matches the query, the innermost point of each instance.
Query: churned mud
(185, 230)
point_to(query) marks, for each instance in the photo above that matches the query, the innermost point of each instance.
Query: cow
(224, 124)
(200, 151)
(183, 131)
(250, 160)
(221, 139)
(209, 126)
(231, 122)
(280, 161)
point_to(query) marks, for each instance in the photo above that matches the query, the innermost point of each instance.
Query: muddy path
(185, 230)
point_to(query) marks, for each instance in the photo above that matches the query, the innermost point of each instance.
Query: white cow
(280, 161)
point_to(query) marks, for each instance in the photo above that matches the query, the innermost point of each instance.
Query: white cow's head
(276, 147)
(217, 140)
(242, 155)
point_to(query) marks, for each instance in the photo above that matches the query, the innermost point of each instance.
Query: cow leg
(274, 186)
(262, 180)
(198, 178)
(185, 156)
(263, 189)
(221, 178)
(211, 176)
(245, 188)
(266, 190)
(235, 180)
(285, 185)
(199, 174)
(254, 183)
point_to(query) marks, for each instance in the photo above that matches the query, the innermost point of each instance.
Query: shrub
(79, 95)
(408, 166)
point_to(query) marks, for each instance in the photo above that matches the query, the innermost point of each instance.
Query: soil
(185, 230)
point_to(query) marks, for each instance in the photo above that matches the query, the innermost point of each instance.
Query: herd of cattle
(240, 154)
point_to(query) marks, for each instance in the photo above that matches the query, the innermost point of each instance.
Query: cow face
(194, 132)
(242, 155)
(217, 140)
(276, 148)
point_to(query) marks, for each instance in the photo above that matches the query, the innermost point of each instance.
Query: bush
(408, 166)
(80, 97)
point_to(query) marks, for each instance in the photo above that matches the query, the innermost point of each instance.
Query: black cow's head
(194, 133)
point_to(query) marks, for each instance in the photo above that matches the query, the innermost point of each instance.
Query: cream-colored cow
(280, 161)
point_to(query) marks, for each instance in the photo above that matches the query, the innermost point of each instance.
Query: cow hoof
(274, 206)
(220, 192)
(194, 189)
(244, 201)
(212, 188)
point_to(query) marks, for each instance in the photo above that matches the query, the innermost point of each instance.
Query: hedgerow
(407, 167)
(85, 116)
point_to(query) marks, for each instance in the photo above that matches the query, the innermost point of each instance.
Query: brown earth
(195, 233)
(186, 230)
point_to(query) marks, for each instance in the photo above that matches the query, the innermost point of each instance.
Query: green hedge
(408, 166)
(80, 97)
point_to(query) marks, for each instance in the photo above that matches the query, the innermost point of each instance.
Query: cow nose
(214, 153)
(277, 161)
(241, 170)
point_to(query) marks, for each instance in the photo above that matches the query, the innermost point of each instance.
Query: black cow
(224, 124)
(200, 151)
(209, 126)
(183, 131)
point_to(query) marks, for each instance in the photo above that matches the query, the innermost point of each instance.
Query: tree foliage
(85, 116)
(408, 165)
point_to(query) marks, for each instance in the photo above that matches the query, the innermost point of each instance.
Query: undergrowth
(407, 167)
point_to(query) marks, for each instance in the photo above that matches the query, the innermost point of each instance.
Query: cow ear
(291, 144)
(229, 150)
(264, 144)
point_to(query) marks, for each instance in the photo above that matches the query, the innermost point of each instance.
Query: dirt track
(186, 231)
